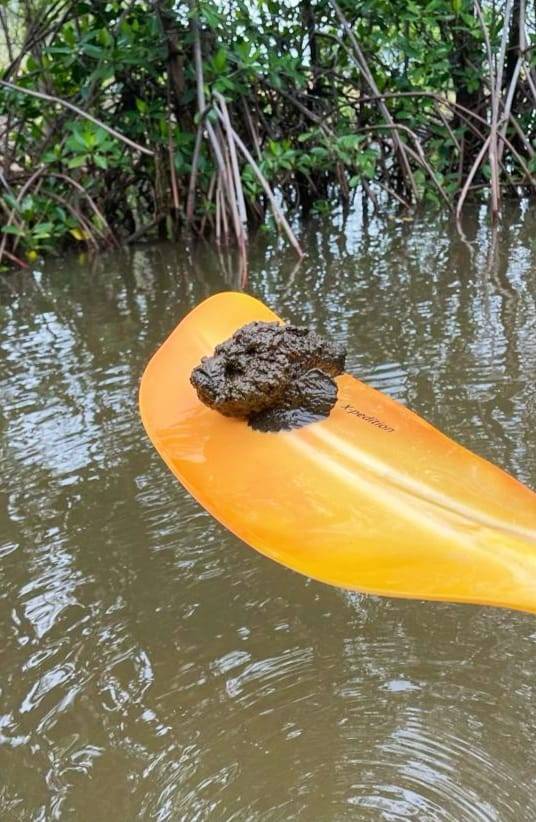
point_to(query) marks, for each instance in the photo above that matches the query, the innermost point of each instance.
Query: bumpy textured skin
(275, 376)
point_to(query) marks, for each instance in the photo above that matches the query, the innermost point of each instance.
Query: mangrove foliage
(123, 120)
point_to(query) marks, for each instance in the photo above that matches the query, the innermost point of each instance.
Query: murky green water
(152, 666)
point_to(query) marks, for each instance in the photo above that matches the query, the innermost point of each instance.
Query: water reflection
(151, 666)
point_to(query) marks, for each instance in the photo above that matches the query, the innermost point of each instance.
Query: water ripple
(153, 667)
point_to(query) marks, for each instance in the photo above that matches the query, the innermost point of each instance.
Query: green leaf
(320, 152)
(101, 136)
(77, 162)
(219, 61)
(59, 50)
(12, 201)
(350, 141)
(12, 229)
(76, 142)
(92, 51)
(42, 231)
(101, 161)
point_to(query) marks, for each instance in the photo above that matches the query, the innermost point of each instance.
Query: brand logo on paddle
(370, 418)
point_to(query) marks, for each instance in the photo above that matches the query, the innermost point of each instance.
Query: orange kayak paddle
(373, 498)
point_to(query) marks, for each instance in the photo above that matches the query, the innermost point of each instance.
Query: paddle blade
(373, 498)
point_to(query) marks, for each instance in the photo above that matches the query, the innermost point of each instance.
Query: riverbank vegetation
(123, 120)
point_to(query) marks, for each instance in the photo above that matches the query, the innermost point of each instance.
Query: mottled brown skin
(275, 376)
